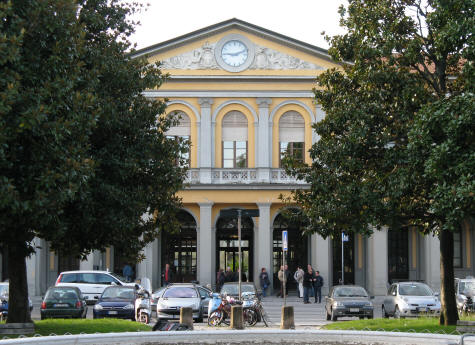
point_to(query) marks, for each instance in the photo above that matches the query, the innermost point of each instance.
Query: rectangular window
(458, 262)
(294, 149)
(234, 154)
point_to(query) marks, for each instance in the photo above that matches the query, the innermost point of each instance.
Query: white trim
(284, 103)
(233, 101)
(245, 77)
(195, 111)
(230, 93)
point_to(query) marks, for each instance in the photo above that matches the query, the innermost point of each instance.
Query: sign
(344, 237)
(285, 242)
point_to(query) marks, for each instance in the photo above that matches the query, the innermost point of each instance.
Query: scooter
(143, 310)
(3, 309)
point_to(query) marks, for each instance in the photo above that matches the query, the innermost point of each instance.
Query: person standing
(298, 276)
(308, 279)
(229, 275)
(280, 275)
(318, 283)
(288, 276)
(264, 280)
(167, 275)
(128, 273)
(219, 280)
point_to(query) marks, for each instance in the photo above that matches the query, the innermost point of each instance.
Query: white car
(91, 283)
(464, 293)
(410, 299)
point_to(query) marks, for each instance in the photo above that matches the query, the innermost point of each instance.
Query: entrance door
(297, 253)
(227, 245)
(398, 255)
(349, 259)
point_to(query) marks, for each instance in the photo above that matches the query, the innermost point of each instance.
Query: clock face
(234, 53)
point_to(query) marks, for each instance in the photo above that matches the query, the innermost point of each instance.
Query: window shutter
(234, 126)
(292, 127)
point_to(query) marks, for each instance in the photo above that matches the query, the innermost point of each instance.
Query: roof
(233, 23)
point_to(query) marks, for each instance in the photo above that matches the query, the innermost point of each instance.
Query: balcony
(240, 176)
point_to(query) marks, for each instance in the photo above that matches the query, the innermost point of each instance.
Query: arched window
(181, 131)
(234, 140)
(292, 136)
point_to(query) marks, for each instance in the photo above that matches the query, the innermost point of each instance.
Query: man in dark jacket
(308, 280)
(167, 275)
(318, 283)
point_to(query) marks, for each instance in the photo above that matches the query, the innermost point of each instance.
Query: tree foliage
(83, 154)
(396, 147)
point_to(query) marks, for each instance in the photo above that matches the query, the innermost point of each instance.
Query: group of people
(228, 276)
(309, 282)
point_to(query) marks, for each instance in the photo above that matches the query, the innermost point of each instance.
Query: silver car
(205, 295)
(465, 294)
(177, 296)
(410, 299)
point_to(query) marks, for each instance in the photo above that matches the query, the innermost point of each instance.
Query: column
(264, 242)
(263, 148)
(32, 274)
(378, 262)
(432, 261)
(320, 260)
(320, 115)
(206, 144)
(205, 248)
(145, 267)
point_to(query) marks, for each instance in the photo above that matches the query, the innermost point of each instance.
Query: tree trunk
(18, 305)
(448, 313)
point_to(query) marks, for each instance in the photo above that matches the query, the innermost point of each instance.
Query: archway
(179, 249)
(227, 245)
(298, 246)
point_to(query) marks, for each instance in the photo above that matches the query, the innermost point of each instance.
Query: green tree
(391, 117)
(84, 157)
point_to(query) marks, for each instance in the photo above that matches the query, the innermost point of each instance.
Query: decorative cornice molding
(230, 93)
(205, 102)
(263, 102)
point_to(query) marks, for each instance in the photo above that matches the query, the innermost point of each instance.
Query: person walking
(288, 277)
(308, 279)
(298, 276)
(264, 280)
(318, 283)
(219, 280)
(280, 275)
(167, 275)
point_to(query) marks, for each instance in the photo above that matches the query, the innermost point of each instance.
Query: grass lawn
(419, 325)
(76, 326)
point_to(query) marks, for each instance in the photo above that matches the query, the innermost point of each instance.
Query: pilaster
(320, 260)
(263, 251)
(206, 143)
(205, 248)
(263, 143)
(377, 273)
(432, 261)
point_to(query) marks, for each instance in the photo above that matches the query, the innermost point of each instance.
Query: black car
(348, 300)
(116, 302)
(63, 302)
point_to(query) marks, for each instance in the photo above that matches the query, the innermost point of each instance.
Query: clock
(234, 53)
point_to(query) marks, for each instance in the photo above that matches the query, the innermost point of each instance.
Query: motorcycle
(468, 306)
(143, 310)
(221, 313)
(3, 309)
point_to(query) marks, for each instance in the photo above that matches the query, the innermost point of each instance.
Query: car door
(205, 297)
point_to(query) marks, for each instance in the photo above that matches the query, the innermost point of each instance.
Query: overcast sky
(300, 19)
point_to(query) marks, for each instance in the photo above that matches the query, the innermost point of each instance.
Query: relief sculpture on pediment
(264, 59)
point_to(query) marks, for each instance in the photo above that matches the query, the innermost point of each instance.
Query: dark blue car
(116, 302)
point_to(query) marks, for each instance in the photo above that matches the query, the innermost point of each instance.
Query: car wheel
(333, 316)
(385, 314)
(397, 313)
(200, 318)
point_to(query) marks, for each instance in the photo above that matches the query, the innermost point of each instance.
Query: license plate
(422, 310)
(113, 312)
(354, 310)
(60, 305)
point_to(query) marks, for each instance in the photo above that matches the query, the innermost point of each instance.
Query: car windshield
(350, 291)
(159, 292)
(56, 294)
(4, 290)
(180, 292)
(415, 290)
(232, 289)
(467, 287)
(118, 276)
(118, 292)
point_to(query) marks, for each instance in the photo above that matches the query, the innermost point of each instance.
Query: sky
(303, 20)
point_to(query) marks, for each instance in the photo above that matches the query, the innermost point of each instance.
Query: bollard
(287, 318)
(236, 317)
(186, 316)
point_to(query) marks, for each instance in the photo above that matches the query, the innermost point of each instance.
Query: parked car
(465, 294)
(410, 299)
(348, 300)
(176, 296)
(63, 302)
(91, 283)
(4, 295)
(116, 302)
(204, 292)
(232, 289)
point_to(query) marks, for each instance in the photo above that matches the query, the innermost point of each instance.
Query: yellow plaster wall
(232, 196)
(194, 130)
(194, 209)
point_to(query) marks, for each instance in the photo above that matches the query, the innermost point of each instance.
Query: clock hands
(236, 53)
